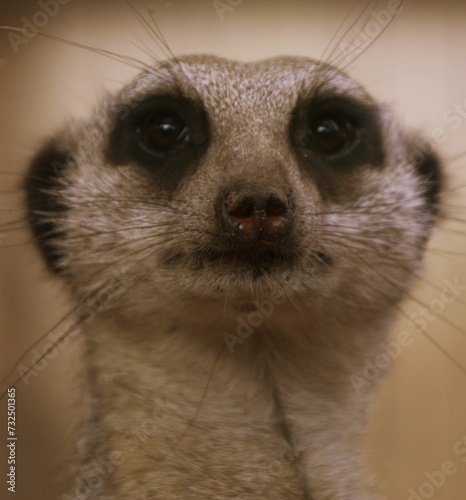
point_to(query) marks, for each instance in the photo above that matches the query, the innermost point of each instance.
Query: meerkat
(239, 237)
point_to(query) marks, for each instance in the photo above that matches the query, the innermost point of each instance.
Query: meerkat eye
(330, 133)
(162, 132)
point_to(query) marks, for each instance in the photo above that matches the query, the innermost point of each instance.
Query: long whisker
(128, 60)
(364, 10)
(156, 34)
(83, 317)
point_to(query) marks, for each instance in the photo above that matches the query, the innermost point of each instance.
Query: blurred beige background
(416, 66)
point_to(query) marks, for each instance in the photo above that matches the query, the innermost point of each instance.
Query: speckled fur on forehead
(267, 88)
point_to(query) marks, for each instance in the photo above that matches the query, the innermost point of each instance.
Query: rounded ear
(44, 208)
(428, 166)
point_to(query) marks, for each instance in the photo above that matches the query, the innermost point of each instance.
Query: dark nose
(252, 213)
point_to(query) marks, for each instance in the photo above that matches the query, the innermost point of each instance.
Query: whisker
(431, 339)
(128, 60)
(70, 330)
(155, 35)
(339, 57)
(82, 318)
(373, 40)
(203, 396)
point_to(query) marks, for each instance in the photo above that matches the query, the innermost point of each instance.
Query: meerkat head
(222, 180)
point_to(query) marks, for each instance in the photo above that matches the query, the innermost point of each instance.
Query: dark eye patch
(332, 137)
(166, 135)
(337, 131)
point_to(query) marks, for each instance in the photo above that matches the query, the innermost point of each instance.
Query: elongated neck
(233, 404)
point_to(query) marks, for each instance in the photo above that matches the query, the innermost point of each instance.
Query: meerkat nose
(254, 213)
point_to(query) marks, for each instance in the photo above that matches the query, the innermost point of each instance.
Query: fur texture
(218, 368)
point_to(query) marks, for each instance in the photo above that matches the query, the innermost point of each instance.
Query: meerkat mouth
(262, 260)
(252, 258)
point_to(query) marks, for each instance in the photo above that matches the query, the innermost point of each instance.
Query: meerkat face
(218, 179)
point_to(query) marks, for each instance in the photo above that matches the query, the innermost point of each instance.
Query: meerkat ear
(429, 167)
(44, 206)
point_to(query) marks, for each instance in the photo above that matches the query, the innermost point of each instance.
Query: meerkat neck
(209, 411)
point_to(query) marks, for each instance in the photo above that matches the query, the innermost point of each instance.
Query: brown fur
(182, 403)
